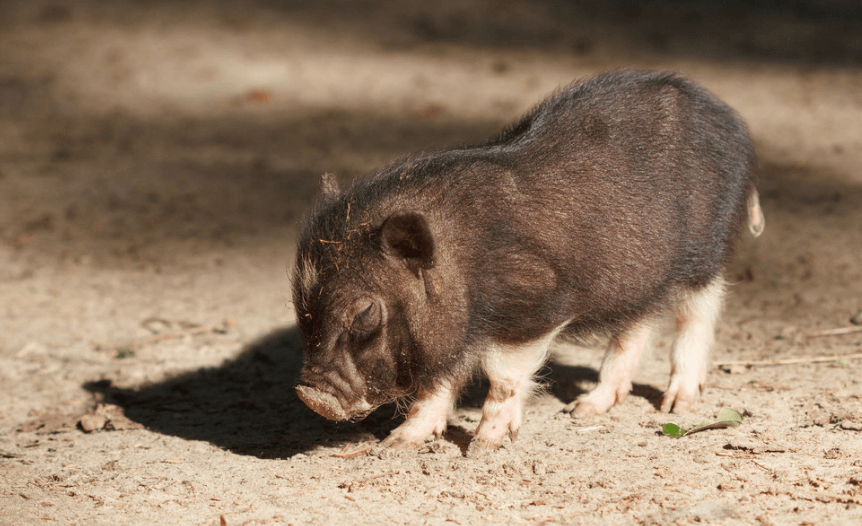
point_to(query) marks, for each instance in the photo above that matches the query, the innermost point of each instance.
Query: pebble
(90, 423)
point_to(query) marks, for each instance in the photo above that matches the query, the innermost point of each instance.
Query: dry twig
(832, 496)
(792, 361)
(835, 332)
(352, 452)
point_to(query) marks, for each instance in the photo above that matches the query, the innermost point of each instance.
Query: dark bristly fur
(607, 199)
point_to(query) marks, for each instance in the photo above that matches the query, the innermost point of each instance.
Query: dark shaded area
(565, 381)
(138, 203)
(247, 405)
(806, 193)
(806, 31)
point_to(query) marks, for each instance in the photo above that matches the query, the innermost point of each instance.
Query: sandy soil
(154, 161)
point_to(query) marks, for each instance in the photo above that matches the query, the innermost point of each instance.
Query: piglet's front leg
(510, 370)
(502, 414)
(427, 417)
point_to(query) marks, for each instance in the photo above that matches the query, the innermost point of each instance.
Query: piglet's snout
(321, 402)
(327, 405)
(334, 391)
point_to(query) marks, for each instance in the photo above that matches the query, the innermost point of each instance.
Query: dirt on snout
(155, 158)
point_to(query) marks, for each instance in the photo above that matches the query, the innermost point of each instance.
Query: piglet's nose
(327, 405)
(321, 402)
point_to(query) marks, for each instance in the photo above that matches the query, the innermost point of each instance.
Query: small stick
(833, 496)
(835, 332)
(373, 477)
(347, 452)
(793, 361)
(761, 466)
(582, 430)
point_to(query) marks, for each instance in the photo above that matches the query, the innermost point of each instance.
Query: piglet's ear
(407, 236)
(329, 187)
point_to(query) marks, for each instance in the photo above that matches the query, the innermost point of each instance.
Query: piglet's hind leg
(510, 370)
(615, 376)
(696, 316)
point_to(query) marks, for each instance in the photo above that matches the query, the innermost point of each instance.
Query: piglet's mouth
(327, 405)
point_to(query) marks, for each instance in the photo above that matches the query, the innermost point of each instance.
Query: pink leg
(696, 316)
(427, 417)
(615, 376)
(510, 370)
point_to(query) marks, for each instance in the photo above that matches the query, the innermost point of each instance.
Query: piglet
(616, 198)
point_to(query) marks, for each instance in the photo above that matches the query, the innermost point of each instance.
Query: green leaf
(672, 430)
(122, 354)
(727, 417)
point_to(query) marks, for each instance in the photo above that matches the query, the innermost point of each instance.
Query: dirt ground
(156, 156)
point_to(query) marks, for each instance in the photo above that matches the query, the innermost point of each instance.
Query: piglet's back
(605, 199)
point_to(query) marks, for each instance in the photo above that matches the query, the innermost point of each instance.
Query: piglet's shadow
(248, 405)
(567, 382)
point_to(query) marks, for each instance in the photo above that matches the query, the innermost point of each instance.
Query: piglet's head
(356, 285)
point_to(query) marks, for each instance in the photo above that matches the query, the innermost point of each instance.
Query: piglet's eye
(367, 321)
